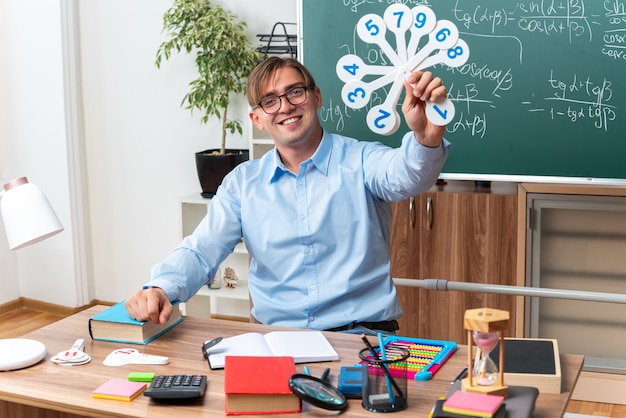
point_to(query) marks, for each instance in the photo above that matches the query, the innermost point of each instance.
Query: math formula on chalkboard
(539, 93)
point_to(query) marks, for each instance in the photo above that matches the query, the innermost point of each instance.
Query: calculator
(178, 386)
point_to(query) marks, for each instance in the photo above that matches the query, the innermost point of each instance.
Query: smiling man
(315, 212)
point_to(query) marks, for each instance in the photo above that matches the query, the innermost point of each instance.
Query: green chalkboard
(542, 96)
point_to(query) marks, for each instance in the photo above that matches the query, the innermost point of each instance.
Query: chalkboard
(541, 98)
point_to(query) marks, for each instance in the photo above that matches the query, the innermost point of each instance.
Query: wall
(33, 144)
(139, 143)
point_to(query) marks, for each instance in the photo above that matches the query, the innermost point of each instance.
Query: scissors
(124, 356)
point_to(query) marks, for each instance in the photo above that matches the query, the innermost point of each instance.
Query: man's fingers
(156, 305)
(423, 86)
(149, 305)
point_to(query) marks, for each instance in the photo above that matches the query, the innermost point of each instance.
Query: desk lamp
(28, 218)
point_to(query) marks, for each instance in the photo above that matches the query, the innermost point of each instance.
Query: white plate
(17, 353)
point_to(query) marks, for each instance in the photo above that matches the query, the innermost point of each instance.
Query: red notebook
(473, 404)
(259, 385)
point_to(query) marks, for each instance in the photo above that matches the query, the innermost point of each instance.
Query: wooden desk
(48, 390)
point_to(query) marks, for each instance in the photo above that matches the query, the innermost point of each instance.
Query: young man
(314, 213)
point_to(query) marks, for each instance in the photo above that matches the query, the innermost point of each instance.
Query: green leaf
(224, 56)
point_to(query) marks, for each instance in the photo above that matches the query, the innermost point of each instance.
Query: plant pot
(213, 167)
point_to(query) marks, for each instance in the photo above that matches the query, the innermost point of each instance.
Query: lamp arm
(441, 284)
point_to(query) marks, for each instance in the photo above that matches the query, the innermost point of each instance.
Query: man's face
(291, 124)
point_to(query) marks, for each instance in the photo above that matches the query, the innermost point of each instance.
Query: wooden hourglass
(485, 327)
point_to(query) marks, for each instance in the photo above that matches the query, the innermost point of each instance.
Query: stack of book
(259, 385)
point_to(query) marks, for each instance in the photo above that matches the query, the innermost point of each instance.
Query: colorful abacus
(426, 356)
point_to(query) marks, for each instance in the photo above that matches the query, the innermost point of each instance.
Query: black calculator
(177, 386)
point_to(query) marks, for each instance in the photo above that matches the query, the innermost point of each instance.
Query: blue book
(114, 324)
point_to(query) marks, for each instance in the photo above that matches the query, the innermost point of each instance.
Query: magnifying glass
(317, 392)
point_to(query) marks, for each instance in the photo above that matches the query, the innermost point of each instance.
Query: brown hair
(266, 69)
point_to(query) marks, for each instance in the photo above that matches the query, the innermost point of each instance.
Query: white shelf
(240, 248)
(238, 292)
(260, 142)
(195, 198)
(233, 302)
(225, 302)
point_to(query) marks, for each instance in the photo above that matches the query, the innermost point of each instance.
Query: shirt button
(311, 318)
(313, 287)
(302, 216)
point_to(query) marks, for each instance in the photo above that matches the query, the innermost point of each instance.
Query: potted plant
(224, 57)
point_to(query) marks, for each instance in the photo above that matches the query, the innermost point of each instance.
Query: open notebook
(303, 346)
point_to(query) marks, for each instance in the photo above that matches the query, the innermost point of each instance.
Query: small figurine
(230, 278)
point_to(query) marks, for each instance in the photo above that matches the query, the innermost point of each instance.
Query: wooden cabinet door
(458, 236)
(405, 261)
(404, 247)
(438, 234)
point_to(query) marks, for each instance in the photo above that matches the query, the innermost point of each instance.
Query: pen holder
(384, 381)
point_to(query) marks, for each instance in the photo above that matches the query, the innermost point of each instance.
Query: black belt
(389, 326)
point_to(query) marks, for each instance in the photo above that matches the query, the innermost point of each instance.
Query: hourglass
(485, 370)
(485, 328)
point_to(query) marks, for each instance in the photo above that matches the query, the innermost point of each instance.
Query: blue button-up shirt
(319, 240)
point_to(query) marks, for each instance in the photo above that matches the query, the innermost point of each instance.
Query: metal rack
(279, 41)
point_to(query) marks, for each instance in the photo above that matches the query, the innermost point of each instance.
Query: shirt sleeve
(397, 174)
(181, 274)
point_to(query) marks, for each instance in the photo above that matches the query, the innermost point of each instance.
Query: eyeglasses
(295, 96)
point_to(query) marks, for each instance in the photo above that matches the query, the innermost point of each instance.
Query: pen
(459, 376)
(306, 371)
(324, 376)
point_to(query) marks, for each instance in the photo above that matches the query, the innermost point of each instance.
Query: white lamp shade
(27, 214)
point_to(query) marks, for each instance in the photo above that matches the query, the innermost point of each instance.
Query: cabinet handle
(429, 212)
(412, 214)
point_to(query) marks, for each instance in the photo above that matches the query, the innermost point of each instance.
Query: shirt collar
(320, 159)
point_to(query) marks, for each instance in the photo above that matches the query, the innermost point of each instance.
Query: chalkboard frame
(478, 175)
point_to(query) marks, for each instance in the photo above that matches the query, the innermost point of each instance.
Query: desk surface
(68, 389)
